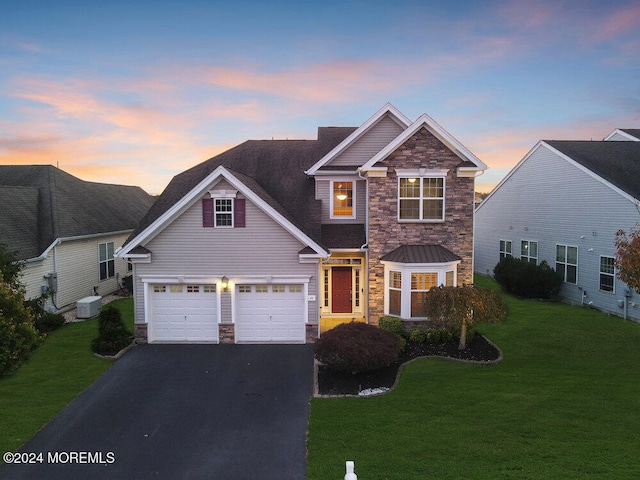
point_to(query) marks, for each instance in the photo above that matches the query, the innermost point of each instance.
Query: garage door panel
(182, 313)
(270, 313)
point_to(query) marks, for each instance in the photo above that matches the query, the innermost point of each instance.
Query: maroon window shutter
(207, 212)
(238, 212)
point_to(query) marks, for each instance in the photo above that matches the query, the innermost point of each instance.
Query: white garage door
(270, 313)
(183, 313)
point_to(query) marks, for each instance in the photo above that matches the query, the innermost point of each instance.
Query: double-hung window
(529, 251)
(506, 249)
(607, 274)
(342, 199)
(421, 283)
(421, 198)
(567, 263)
(224, 212)
(395, 292)
(106, 262)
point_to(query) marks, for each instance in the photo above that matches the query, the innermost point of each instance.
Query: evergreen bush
(113, 336)
(527, 280)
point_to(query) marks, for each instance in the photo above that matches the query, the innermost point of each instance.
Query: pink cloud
(618, 23)
(332, 81)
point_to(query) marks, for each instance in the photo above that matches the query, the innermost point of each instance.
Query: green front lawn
(564, 403)
(57, 372)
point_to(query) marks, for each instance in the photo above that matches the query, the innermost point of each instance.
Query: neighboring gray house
(563, 203)
(66, 230)
(279, 240)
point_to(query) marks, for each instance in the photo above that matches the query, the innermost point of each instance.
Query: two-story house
(563, 203)
(279, 240)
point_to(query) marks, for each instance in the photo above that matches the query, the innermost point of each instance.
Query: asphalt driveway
(183, 412)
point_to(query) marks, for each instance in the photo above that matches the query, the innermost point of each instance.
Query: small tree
(627, 259)
(18, 335)
(461, 307)
(10, 266)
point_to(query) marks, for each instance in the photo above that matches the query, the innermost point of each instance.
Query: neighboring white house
(563, 203)
(66, 230)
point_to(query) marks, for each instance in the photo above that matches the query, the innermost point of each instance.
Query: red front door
(341, 290)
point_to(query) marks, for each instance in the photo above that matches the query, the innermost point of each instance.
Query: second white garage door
(270, 313)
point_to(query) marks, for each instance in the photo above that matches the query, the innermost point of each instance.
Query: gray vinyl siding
(76, 263)
(323, 192)
(374, 140)
(550, 200)
(261, 248)
(617, 137)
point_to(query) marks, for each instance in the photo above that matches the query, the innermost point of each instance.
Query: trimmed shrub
(432, 336)
(18, 335)
(45, 322)
(527, 280)
(393, 325)
(357, 347)
(113, 336)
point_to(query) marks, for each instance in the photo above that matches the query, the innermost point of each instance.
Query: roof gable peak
(425, 121)
(388, 110)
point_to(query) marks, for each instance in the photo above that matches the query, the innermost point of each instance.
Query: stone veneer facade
(422, 150)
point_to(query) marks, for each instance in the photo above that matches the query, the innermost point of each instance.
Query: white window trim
(566, 262)
(529, 242)
(353, 200)
(422, 174)
(107, 260)
(600, 272)
(216, 213)
(510, 253)
(406, 269)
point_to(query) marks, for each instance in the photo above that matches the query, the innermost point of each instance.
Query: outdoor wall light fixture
(224, 283)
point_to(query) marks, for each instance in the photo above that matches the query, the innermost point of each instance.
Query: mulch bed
(331, 382)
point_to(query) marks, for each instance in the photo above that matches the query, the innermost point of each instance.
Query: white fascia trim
(374, 172)
(186, 201)
(347, 142)
(310, 258)
(623, 133)
(179, 279)
(430, 124)
(420, 265)
(590, 173)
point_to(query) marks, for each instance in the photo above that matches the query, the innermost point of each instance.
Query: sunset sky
(134, 92)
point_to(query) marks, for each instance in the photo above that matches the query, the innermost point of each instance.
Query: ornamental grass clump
(357, 347)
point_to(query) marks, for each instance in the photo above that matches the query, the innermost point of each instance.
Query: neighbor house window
(342, 195)
(529, 251)
(224, 212)
(421, 283)
(421, 198)
(106, 261)
(567, 263)
(506, 249)
(607, 274)
(395, 292)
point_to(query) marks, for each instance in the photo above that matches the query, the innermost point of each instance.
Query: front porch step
(329, 323)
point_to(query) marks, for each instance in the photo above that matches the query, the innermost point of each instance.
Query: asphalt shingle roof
(41, 203)
(635, 132)
(616, 162)
(273, 169)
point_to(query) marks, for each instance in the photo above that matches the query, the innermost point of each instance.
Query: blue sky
(134, 92)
